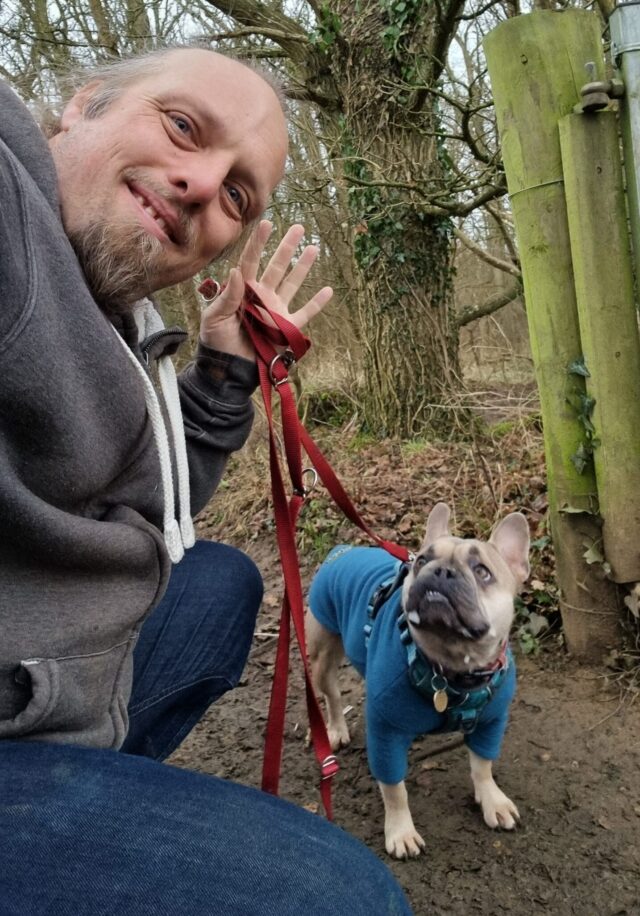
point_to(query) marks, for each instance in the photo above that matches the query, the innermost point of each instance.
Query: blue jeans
(86, 832)
(193, 647)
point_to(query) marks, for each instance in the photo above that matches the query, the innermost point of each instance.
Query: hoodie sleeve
(215, 395)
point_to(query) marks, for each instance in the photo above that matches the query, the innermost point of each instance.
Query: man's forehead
(234, 105)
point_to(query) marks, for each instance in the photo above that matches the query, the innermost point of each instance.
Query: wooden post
(608, 325)
(537, 68)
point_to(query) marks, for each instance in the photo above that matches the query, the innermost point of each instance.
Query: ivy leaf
(592, 554)
(577, 367)
(580, 459)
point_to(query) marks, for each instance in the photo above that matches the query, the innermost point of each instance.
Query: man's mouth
(160, 213)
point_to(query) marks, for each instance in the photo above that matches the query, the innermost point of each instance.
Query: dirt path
(571, 762)
(571, 757)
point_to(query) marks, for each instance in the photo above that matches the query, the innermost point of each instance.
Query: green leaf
(592, 554)
(577, 367)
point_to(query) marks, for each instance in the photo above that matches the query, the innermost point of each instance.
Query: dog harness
(460, 698)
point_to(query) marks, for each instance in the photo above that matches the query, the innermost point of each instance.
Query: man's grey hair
(118, 74)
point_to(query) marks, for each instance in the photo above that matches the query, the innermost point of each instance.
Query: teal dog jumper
(396, 712)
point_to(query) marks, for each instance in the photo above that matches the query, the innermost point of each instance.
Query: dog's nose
(444, 572)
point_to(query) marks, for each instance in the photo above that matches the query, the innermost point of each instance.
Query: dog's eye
(483, 573)
(419, 562)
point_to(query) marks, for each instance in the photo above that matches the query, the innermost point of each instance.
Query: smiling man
(117, 630)
(166, 176)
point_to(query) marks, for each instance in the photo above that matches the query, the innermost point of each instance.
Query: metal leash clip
(287, 358)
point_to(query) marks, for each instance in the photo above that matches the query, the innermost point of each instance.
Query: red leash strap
(273, 371)
(278, 344)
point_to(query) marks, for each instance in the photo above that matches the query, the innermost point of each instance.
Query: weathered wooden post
(536, 64)
(608, 325)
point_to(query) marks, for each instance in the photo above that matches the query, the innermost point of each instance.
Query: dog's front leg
(497, 809)
(325, 654)
(401, 839)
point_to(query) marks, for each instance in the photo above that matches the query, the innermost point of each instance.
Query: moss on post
(536, 64)
(608, 326)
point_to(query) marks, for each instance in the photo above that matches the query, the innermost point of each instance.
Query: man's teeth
(414, 617)
(152, 213)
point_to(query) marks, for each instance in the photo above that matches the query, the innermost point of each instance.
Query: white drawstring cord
(172, 536)
(169, 386)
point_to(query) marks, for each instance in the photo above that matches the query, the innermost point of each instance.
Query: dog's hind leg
(325, 654)
(498, 810)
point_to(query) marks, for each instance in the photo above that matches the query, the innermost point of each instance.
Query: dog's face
(458, 595)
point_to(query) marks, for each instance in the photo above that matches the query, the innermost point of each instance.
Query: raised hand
(221, 327)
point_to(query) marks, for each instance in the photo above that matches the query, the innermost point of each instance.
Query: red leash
(278, 344)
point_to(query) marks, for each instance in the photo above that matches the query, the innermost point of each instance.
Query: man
(157, 166)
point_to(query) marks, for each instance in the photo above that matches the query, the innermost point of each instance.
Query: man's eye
(182, 124)
(483, 573)
(237, 197)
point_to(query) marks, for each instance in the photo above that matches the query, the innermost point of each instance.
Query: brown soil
(571, 756)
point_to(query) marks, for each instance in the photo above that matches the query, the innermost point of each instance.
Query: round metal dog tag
(440, 700)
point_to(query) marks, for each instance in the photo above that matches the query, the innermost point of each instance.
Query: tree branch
(257, 16)
(276, 35)
(484, 255)
(472, 312)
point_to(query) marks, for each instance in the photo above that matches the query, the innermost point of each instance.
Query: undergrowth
(499, 468)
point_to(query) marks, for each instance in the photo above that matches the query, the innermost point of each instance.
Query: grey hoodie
(82, 559)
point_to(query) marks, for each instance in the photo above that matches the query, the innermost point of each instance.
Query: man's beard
(120, 267)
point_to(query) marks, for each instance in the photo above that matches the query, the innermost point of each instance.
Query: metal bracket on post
(624, 24)
(597, 94)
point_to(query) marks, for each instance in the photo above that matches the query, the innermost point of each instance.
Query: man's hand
(221, 327)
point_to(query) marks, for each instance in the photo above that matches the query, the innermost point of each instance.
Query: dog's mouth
(429, 600)
(433, 611)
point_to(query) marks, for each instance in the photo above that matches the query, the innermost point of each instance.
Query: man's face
(169, 174)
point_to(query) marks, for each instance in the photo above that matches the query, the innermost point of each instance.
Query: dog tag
(440, 700)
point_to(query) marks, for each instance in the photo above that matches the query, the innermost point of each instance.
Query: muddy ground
(571, 758)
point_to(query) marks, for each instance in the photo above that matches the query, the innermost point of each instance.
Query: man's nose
(197, 183)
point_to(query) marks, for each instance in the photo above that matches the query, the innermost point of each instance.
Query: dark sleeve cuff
(228, 378)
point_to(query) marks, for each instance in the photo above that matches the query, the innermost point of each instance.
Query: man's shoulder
(22, 141)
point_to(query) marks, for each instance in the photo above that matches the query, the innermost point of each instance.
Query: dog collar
(458, 699)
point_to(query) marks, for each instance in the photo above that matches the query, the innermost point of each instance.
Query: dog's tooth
(466, 633)
(414, 617)
(467, 659)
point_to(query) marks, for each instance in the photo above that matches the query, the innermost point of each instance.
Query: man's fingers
(294, 280)
(313, 307)
(228, 302)
(252, 251)
(279, 263)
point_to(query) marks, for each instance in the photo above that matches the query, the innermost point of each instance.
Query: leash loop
(287, 359)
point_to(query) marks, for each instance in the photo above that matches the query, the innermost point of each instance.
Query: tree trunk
(381, 63)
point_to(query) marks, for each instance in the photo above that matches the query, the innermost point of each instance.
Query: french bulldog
(430, 637)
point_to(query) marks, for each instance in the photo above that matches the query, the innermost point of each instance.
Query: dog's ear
(437, 524)
(511, 539)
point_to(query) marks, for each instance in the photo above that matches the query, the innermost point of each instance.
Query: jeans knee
(246, 576)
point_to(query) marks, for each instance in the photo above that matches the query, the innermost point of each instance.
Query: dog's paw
(497, 809)
(338, 736)
(407, 844)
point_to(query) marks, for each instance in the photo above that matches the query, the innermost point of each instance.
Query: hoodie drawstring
(177, 536)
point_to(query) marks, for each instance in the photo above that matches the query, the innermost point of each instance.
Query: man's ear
(511, 539)
(74, 109)
(437, 524)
